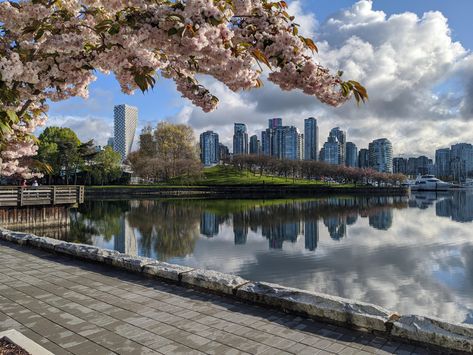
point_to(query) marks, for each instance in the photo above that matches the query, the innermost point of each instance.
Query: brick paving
(73, 307)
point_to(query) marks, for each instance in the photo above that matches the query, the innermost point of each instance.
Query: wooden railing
(16, 196)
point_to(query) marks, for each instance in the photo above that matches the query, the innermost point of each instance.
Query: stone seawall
(242, 191)
(341, 311)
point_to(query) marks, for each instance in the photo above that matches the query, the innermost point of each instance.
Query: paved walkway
(70, 306)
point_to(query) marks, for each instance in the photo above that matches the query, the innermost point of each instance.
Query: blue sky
(165, 103)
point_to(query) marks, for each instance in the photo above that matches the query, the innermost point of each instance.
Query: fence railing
(16, 196)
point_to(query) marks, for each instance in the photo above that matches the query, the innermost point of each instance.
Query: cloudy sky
(414, 58)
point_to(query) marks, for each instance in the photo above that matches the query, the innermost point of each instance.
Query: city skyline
(404, 97)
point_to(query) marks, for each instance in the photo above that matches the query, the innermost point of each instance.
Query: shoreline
(238, 191)
(331, 309)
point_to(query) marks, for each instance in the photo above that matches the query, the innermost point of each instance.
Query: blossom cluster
(50, 49)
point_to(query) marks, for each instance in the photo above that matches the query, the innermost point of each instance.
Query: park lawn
(229, 176)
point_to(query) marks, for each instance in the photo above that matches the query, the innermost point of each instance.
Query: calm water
(407, 254)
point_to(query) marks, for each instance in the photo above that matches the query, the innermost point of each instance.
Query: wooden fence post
(53, 195)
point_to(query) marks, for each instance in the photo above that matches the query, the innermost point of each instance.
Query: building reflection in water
(209, 224)
(337, 227)
(458, 206)
(125, 241)
(168, 229)
(383, 220)
(311, 234)
(280, 233)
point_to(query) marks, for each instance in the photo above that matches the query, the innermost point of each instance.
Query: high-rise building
(282, 142)
(126, 120)
(274, 123)
(399, 165)
(331, 151)
(442, 162)
(224, 152)
(292, 143)
(209, 148)
(351, 158)
(268, 136)
(381, 155)
(240, 139)
(341, 137)
(255, 145)
(311, 139)
(462, 160)
(363, 158)
(419, 166)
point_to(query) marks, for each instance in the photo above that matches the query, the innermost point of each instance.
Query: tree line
(66, 160)
(312, 170)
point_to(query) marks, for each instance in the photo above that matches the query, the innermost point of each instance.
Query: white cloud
(97, 128)
(420, 83)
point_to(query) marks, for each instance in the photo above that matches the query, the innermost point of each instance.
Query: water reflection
(406, 254)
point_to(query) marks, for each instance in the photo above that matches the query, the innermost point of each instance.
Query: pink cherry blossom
(50, 52)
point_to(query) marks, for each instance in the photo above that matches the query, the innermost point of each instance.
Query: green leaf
(13, 116)
(114, 29)
(141, 81)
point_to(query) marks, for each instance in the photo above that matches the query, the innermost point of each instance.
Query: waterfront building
(209, 148)
(267, 136)
(351, 158)
(255, 146)
(419, 166)
(363, 158)
(442, 163)
(292, 147)
(331, 151)
(240, 139)
(274, 123)
(224, 152)
(381, 155)
(400, 165)
(125, 122)
(311, 139)
(462, 161)
(282, 142)
(341, 137)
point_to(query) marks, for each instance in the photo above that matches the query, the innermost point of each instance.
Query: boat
(431, 183)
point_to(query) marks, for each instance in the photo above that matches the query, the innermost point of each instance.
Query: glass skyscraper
(125, 122)
(351, 158)
(240, 139)
(209, 148)
(311, 139)
(381, 155)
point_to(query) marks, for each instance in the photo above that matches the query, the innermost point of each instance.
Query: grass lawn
(229, 176)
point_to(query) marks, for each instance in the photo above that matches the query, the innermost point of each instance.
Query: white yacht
(430, 183)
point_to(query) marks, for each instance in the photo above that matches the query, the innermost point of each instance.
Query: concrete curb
(23, 342)
(372, 318)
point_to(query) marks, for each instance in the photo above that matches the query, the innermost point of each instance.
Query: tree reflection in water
(170, 228)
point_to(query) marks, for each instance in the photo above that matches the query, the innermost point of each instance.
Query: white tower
(126, 120)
